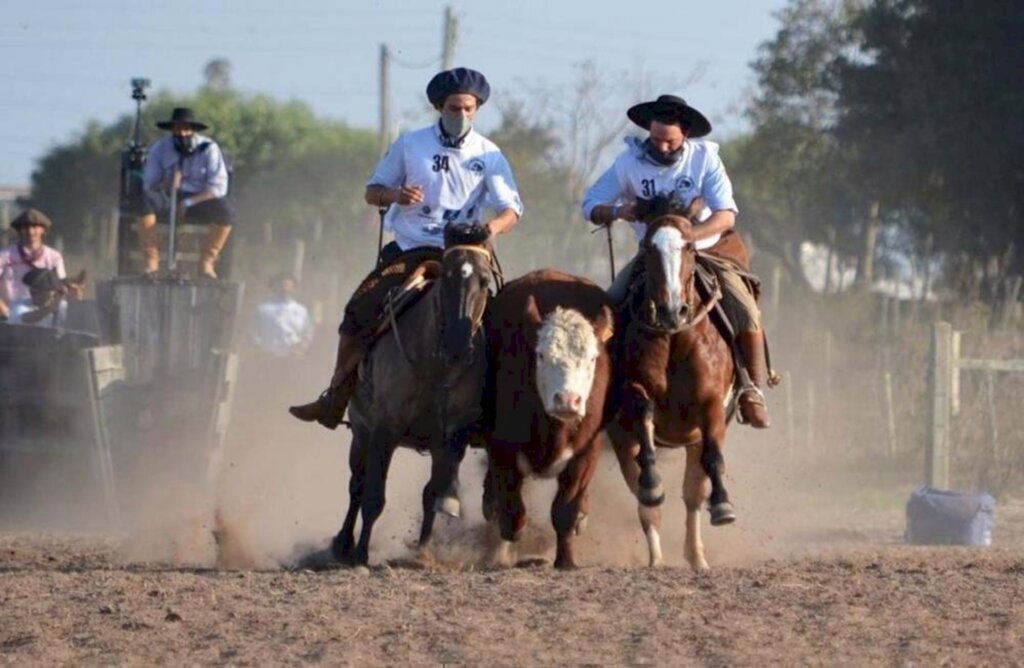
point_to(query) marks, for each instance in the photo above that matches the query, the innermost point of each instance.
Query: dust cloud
(282, 486)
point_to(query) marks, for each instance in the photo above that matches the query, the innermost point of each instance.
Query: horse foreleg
(344, 543)
(626, 449)
(568, 509)
(641, 419)
(440, 492)
(378, 460)
(694, 494)
(713, 463)
(448, 484)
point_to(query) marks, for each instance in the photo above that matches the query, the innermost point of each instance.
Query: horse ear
(694, 209)
(605, 325)
(532, 312)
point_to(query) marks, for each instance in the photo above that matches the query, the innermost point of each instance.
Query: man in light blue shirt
(193, 166)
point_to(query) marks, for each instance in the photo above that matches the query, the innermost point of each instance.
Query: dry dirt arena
(813, 572)
(828, 589)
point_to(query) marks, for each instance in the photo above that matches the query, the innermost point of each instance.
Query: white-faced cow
(549, 377)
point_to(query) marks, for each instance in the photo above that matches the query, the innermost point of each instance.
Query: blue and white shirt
(458, 184)
(634, 173)
(203, 169)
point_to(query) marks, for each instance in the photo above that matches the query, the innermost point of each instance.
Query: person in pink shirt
(17, 260)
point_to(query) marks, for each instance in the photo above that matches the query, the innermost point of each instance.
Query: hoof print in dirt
(409, 563)
(533, 562)
(321, 560)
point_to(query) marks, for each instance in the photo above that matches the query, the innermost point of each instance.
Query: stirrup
(747, 390)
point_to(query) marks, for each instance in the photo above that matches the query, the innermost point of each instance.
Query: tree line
(883, 129)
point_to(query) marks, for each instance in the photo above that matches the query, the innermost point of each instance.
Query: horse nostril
(575, 401)
(684, 309)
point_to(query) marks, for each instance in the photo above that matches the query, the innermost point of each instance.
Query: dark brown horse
(420, 386)
(675, 378)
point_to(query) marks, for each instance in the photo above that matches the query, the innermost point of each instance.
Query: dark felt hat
(671, 108)
(41, 282)
(31, 217)
(459, 80)
(182, 115)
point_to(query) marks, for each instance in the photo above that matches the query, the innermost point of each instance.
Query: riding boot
(149, 239)
(214, 244)
(753, 409)
(329, 408)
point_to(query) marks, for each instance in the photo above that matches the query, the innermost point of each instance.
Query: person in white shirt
(441, 174)
(281, 324)
(674, 161)
(192, 164)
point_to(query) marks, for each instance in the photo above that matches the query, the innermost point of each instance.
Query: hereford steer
(549, 378)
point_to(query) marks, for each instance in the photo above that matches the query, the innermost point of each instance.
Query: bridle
(644, 311)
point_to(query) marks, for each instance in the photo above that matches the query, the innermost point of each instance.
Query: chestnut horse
(675, 378)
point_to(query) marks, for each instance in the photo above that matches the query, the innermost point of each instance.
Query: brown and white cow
(549, 378)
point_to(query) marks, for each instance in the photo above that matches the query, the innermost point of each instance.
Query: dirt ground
(813, 572)
(70, 600)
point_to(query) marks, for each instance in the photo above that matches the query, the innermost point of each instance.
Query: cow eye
(540, 357)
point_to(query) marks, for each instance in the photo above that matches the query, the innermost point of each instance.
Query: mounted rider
(442, 174)
(673, 161)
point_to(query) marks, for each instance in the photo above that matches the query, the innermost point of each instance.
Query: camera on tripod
(139, 86)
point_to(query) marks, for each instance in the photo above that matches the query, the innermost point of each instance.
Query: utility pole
(385, 99)
(451, 34)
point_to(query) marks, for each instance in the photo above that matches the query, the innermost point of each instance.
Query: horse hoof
(722, 514)
(652, 498)
(450, 506)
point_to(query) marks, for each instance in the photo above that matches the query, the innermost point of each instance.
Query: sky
(65, 62)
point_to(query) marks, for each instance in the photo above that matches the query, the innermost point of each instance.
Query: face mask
(662, 158)
(185, 144)
(456, 125)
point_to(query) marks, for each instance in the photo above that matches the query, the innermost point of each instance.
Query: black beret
(459, 80)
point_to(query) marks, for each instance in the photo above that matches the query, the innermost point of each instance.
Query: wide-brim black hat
(31, 216)
(672, 108)
(182, 115)
(459, 80)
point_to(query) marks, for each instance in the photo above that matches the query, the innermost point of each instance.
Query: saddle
(400, 299)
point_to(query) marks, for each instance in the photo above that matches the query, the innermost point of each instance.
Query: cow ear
(532, 312)
(605, 325)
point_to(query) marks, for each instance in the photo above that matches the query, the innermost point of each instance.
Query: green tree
(791, 174)
(934, 100)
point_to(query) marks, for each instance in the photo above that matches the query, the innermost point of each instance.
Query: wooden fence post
(940, 381)
(890, 415)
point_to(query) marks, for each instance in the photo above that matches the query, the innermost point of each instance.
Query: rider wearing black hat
(674, 162)
(430, 178)
(192, 164)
